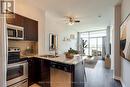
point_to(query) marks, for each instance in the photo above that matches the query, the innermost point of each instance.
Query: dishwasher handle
(61, 66)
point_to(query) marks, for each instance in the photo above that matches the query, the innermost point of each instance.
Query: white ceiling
(86, 10)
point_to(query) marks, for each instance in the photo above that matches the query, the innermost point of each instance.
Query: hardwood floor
(100, 77)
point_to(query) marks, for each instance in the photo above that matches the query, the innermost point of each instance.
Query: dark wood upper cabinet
(30, 26)
(30, 29)
(17, 20)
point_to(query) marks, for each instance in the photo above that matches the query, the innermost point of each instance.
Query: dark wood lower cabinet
(44, 73)
(31, 71)
(39, 72)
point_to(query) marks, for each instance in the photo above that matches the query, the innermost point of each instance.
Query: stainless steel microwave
(15, 32)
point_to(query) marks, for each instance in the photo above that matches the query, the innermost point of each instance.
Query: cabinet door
(10, 21)
(37, 69)
(31, 72)
(35, 30)
(30, 29)
(19, 21)
(15, 20)
(45, 73)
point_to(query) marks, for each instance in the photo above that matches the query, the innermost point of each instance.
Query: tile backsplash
(27, 47)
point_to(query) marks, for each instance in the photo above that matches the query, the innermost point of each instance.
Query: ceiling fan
(72, 20)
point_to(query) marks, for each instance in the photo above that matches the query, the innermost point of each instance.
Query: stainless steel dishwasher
(60, 75)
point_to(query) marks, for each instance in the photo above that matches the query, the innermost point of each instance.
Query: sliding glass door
(95, 46)
(93, 42)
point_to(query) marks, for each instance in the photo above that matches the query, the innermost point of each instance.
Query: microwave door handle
(23, 34)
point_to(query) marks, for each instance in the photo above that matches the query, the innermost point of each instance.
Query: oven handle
(17, 64)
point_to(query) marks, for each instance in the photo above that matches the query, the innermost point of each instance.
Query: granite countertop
(62, 59)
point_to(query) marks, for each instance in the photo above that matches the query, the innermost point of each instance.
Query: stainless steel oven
(15, 32)
(17, 73)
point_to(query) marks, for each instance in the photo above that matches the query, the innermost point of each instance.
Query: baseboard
(119, 79)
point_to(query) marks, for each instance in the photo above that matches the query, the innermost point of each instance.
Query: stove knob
(8, 49)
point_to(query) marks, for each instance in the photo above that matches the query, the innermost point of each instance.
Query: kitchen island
(57, 72)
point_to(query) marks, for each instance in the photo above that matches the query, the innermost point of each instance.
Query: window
(94, 42)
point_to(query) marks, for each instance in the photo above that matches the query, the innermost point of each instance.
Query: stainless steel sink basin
(49, 56)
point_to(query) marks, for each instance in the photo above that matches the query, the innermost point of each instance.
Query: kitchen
(26, 67)
(39, 43)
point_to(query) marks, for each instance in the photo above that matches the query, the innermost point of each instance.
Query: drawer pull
(53, 66)
(65, 68)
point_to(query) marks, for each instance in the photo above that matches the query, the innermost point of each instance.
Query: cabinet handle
(53, 66)
(65, 68)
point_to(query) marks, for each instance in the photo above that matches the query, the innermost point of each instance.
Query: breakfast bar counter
(47, 71)
(62, 59)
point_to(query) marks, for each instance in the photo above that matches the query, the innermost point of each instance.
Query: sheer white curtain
(93, 42)
(103, 47)
(79, 43)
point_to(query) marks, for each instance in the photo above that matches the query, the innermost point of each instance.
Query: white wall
(53, 24)
(23, 7)
(112, 47)
(116, 42)
(48, 23)
(3, 51)
(126, 64)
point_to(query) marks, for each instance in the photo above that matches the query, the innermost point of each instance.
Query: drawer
(23, 83)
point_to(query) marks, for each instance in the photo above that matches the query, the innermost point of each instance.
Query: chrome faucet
(55, 52)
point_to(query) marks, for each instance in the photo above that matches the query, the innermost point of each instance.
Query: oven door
(17, 72)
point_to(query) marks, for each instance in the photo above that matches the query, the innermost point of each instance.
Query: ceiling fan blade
(77, 21)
